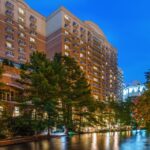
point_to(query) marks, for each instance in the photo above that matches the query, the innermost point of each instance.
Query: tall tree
(39, 88)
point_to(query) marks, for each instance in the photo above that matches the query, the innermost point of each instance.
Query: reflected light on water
(106, 141)
(94, 142)
(116, 141)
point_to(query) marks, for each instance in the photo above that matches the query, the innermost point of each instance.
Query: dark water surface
(97, 141)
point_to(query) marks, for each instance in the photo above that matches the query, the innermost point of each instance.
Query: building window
(16, 112)
(95, 79)
(95, 68)
(1, 111)
(66, 47)
(21, 27)
(9, 45)
(66, 54)
(67, 33)
(21, 35)
(95, 96)
(21, 11)
(20, 19)
(32, 40)
(21, 50)
(81, 55)
(67, 17)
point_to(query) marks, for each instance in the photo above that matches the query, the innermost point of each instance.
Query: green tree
(73, 91)
(142, 106)
(39, 88)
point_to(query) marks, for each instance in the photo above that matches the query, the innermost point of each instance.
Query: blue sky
(126, 24)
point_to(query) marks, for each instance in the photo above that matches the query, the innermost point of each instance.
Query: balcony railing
(9, 53)
(33, 19)
(21, 43)
(9, 29)
(9, 37)
(9, 13)
(9, 20)
(9, 5)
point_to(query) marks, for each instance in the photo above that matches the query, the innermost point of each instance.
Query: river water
(97, 141)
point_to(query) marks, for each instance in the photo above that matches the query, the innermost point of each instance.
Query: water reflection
(97, 141)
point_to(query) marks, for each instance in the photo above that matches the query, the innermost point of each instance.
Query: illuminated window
(1, 110)
(95, 79)
(8, 45)
(21, 27)
(81, 42)
(81, 55)
(66, 47)
(95, 96)
(21, 19)
(32, 39)
(66, 32)
(66, 53)
(21, 11)
(81, 67)
(89, 52)
(67, 17)
(16, 112)
(22, 35)
(95, 68)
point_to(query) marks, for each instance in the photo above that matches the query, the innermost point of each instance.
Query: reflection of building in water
(134, 90)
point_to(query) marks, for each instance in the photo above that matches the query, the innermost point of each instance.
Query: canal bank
(20, 140)
(128, 140)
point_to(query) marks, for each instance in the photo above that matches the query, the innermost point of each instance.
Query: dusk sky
(126, 24)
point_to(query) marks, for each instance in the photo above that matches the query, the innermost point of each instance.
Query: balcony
(21, 35)
(22, 58)
(9, 53)
(67, 27)
(75, 25)
(9, 20)
(21, 50)
(33, 48)
(33, 33)
(9, 46)
(9, 5)
(21, 43)
(75, 31)
(9, 37)
(33, 19)
(21, 21)
(9, 13)
(33, 26)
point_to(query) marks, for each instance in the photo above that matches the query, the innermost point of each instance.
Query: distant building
(120, 79)
(133, 91)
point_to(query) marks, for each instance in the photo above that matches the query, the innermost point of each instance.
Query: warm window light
(95, 68)
(21, 11)
(16, 112)
(66, 47)
(9, 45)
(66, 32)
(95, 96)
(81, 55)
(21, 19)
(21, 27)
(1, 110)
(32, 39)
(95, 79)
(66, 53)
(66, 17)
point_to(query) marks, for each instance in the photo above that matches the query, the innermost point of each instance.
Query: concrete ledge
(7, 142)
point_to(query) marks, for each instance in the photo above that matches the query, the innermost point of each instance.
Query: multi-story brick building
(23, 30)
(85, 42)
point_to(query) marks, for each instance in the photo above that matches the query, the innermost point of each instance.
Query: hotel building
(23, 31)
